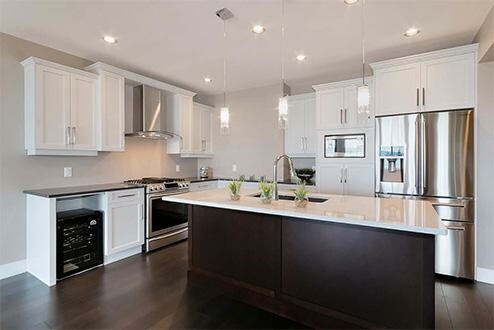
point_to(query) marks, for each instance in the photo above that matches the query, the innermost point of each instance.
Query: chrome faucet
(275, 173)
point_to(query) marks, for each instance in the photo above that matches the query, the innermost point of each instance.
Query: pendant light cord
(224, 63)
(282, 46)
(363, 41)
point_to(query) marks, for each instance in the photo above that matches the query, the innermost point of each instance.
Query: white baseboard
(122, 255)
(485, 275)
(13, 268)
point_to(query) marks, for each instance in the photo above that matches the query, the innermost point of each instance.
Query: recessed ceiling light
(110, 39)
(351, 2)
(301, 57)
(208, 80)
(258, 29)
(411, 32)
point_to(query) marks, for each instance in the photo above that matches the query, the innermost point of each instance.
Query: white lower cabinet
(345, 179)
(124, 221)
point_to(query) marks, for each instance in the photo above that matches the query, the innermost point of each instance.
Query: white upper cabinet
(440, 80)
(60, 109)
(398, 89)
(337, 107)
(111, 112)
(83, 112)
(300, 127)
(448, 83)
(193, 122)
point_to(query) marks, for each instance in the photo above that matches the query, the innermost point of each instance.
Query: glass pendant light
(363, 92)
(224, 14)
(283, 101)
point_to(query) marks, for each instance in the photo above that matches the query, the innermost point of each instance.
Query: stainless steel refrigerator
(431, 156)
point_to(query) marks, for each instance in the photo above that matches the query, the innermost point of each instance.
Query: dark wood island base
(319, 273)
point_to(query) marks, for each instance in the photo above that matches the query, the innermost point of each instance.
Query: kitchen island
(367, 262)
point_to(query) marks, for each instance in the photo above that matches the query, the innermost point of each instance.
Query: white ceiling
(181, 41)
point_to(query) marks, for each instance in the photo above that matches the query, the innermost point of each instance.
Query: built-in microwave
(344, 146)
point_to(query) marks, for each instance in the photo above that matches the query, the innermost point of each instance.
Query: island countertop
(408, 215)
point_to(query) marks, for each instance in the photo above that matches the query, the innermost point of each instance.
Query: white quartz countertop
(390, 213)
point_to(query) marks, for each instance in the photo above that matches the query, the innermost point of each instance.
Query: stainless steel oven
(166, 221)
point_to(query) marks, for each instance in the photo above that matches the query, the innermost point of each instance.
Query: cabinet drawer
(126, 195)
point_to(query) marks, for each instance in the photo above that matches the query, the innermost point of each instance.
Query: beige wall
(485, 38)
(254, 140)
(485, 159)
(19, 172)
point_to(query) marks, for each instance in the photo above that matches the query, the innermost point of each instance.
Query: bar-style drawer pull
(129, 195)
(455, 228)
(449, 205)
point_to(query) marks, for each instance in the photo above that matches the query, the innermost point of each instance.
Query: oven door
(164, 217)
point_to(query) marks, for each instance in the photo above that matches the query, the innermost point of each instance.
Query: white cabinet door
(397, 89)
(124, 226)
(295, 130)
(448, 83)
(359, 179)
(52, 108)
(350, 111)
(329, 179)
(329, 111)
(310, 127)
(195, 133)
(206, 122)
(111, 112)
(83, 112)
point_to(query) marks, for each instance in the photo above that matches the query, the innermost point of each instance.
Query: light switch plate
(177, 168)
(67, 172)
(234, 167)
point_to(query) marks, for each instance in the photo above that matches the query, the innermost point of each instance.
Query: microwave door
(397, 154)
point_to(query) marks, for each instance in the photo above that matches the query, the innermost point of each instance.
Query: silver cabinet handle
(455, 228)
(346, 121)
(67, 135)
(341, 175)
(73, 134)
(423, 96)
(125, 196)
(341, 116)
(346, 174)
(418, 97)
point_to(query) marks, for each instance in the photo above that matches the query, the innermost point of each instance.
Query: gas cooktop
(156, 185)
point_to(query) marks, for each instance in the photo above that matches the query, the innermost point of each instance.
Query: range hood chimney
(149, 114)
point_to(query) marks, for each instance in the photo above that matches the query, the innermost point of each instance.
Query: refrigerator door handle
(417, 154)
(423, 156)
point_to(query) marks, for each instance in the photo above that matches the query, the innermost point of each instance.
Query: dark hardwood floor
(151, 291)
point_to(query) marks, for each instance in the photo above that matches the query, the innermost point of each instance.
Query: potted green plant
(234, 188)
(301, 193)
(266, 189)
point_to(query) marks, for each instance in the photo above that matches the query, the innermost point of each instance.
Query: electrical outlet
(234, 167)
(177, 168)
(67, 172)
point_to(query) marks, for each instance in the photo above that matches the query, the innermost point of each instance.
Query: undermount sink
(291, 198)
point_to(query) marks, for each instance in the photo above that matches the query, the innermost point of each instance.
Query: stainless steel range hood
(149, 114)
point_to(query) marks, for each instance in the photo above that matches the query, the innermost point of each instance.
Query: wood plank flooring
(151, 292)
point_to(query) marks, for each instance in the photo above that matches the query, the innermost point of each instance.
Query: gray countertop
(78, 190)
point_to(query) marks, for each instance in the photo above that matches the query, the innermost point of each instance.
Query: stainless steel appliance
(148, 117)
(344, 146)
(204, 172)
(431, 156)
(79, 241)
(166, 222)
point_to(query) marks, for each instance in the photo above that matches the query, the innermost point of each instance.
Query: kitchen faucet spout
(275, 173)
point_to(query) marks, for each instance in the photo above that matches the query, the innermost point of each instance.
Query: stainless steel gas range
(166, 222)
